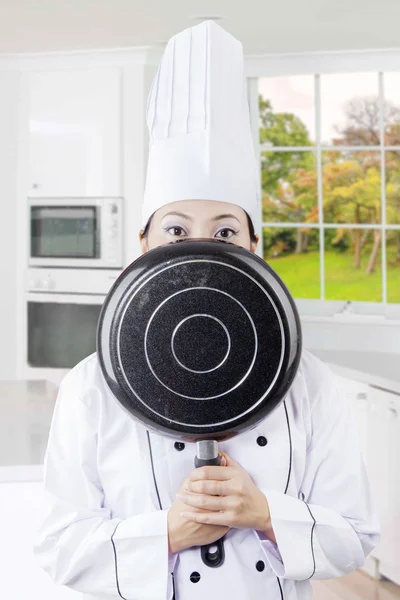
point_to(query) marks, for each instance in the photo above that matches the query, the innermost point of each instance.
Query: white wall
(9, 103)
(137, 80)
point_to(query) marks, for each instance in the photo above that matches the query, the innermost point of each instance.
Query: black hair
(252, 232)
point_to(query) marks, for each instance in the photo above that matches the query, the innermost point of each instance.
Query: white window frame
(316, 64)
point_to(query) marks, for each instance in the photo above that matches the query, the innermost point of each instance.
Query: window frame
(317, 64)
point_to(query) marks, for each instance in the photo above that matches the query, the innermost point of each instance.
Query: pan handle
(212, 555)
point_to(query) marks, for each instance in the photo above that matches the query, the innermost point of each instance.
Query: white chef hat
(201, 146)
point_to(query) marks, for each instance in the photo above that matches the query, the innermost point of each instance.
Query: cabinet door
(75, 133)
(21, 577)
(357, 395)
(384, 470)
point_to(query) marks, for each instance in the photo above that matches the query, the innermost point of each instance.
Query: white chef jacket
(109, 484)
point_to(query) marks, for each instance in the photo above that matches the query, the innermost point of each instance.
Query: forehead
(204, 209)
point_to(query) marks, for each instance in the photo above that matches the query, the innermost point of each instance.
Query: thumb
(223, 461)
(228, 461)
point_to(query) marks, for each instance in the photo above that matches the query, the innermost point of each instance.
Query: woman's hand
(184, 533)
(227, 496)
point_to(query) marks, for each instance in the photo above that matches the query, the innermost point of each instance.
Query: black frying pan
(199, 340)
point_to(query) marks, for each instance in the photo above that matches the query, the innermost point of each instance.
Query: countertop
(378, 369)
(26, 409)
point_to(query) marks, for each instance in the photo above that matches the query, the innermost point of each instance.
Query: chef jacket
(109, 483)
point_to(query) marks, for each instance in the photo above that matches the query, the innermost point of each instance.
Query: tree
(363, 128)
(281, 129)
(288, 178)
(351, 190)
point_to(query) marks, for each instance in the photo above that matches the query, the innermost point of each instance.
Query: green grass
(342, 281)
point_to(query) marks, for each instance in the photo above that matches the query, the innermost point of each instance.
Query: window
(330, 179)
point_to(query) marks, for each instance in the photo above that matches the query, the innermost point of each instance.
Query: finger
(215, 488)
(209, 488)
(230, 462)
(210, 503)
(209, 518)
(212, 472)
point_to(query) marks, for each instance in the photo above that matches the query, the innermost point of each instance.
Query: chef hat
(201, 146)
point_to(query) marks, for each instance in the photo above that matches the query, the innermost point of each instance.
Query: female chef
(125, 510)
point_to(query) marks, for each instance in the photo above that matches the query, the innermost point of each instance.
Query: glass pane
(353, 268)
(289, 185)
(287, 111)
(350, 109)
(393, 265)
(60, 335)
(63, 232)
(294, 254)
(392, 187)
(351, 187)
(391, 90)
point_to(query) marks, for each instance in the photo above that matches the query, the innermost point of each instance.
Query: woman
(126, 510)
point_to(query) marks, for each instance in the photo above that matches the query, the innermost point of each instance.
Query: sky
(296, 95)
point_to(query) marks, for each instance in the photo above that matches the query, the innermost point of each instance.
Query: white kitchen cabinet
(358, 394)
(75, 133)
(383, 459)
(21, 577)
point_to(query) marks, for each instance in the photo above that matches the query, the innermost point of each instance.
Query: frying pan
(199, 340)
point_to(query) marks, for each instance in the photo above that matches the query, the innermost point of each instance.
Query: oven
(75, 233)
(61, 330)
(62, 308)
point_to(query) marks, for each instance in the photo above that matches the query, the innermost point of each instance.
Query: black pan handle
(212, 555)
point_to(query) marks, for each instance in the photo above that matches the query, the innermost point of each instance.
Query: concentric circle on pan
(205, 338)
(156, 346)
(212, 300)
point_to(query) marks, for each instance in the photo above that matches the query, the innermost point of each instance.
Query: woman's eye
(226, 233)
(176, 231)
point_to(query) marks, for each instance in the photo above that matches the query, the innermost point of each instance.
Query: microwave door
(65, 236)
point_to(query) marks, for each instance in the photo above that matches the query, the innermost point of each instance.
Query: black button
(195, 577)
(179, 446)
(262, 441)
(260, 566)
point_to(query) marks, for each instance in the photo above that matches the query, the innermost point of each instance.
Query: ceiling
(262, 25)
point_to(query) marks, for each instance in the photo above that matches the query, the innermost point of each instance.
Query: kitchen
(73, 151)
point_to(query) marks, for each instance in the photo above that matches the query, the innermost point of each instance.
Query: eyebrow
(179, 214)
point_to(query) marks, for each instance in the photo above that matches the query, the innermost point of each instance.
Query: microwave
(67, 232)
